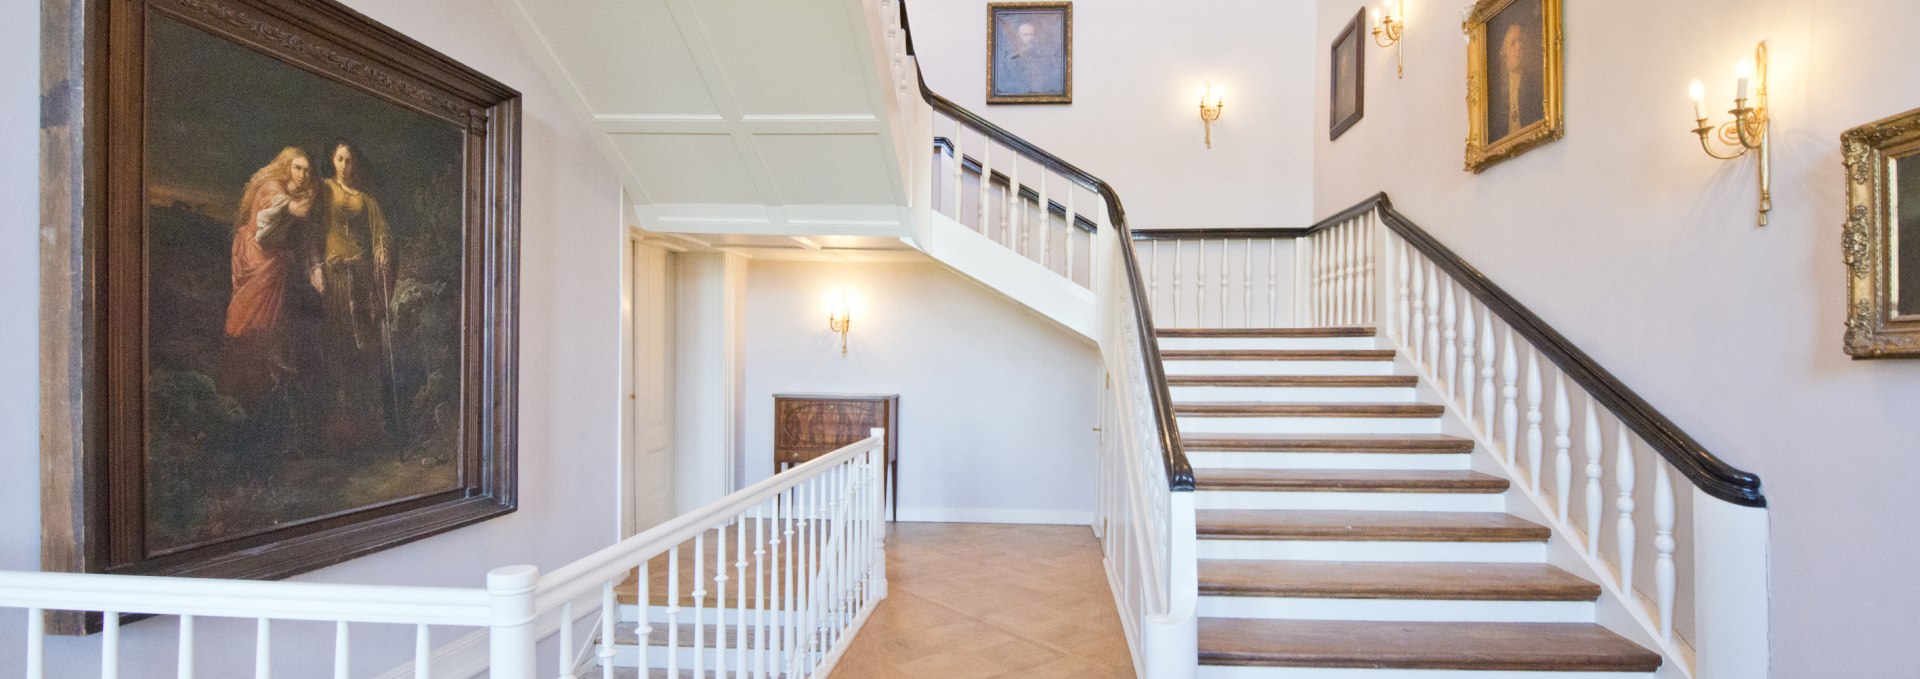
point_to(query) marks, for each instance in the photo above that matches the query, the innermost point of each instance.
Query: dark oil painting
(1906, 235)
(1516, 61)
(304, 261)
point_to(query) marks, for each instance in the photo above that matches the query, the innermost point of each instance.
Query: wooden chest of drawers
(806, 426)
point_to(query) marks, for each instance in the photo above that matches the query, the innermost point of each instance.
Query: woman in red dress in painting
(257, 359)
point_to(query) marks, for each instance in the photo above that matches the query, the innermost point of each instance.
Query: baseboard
(1026, 516)
(463, 658)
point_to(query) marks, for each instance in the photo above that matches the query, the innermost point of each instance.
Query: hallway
(991, 600)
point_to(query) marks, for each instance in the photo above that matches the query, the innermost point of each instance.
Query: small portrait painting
(1030, 53)
(1514, 71)
(1347, 89)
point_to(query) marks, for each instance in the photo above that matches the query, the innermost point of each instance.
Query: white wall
(710, 366)
(997, 405)
(1644, 252)
(571, 242)
(1135, 118)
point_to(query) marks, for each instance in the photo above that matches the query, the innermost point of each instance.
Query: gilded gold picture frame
(1883, 268)
(1030, 53)
(1495, 136)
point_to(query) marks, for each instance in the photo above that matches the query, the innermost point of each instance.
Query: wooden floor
(990, 600)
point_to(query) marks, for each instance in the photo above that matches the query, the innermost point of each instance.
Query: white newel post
(510, 638)
(1730, 551)
(1171, 641)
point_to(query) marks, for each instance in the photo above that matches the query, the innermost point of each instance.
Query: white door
(650, 405)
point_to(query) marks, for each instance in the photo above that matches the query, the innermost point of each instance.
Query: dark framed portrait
(1881, 237)
(1346, 89)
(1513, 79)
(1030, 53)
(295, 344)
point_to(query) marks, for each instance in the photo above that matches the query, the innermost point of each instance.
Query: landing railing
(1038, 205)
(1685, 572)
(794, 565)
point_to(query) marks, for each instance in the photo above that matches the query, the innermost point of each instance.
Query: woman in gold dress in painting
(355, 278)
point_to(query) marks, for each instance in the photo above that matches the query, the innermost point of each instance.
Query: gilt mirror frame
(1870, 240)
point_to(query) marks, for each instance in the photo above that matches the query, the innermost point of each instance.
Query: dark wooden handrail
(1707, 472)
(1173, 456)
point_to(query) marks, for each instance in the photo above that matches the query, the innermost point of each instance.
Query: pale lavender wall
(570, 278)
(1135, 118)
(997, 404)
(1644, 252)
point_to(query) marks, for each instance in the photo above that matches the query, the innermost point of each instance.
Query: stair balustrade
(794, 565)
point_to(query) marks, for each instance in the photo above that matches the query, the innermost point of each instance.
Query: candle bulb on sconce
(1750, 125)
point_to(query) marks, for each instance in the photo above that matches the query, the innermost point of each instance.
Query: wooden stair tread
(1393, 580)
(1273, 409)
(1277, 354)
(1329, 443)
(1293, 380)
(1349, 480)
(1486, 646)
(1295, 524)
(1267, 332)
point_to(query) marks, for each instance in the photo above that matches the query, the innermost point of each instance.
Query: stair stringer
(1015, 277)
(1563, 551)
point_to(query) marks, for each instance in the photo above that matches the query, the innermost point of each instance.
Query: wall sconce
(1387, 27)
(840, 318)
(1212, 99)
(1748, 129)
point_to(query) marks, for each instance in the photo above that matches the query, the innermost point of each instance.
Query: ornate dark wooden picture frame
(279, 289)
(1881, 237)
(1347, 77)
(1528, 73)
(1030, 52)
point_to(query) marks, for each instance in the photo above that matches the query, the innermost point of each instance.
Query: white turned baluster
(1361, 283)
(1400, 308)
(185, 658)
(1273, 282)
(564, 658)
(422, 652)
(609, 614)
(1469, 336)
(1200, 282)
(1046, 223)
(986, 181)
(1176, 284)
(1535, 444)
(1487, 393)
(1450, 357)
(1153, 276)
(788, 640)
(1595, 500)
(1338, 238)
(1016, 211)
(1073, 228)
(109, 644)
(1509, 392)
(1665, 579)
(1562, 446)
(1623, 481)
(263, 649)
(1417, 318)
(1374, 235)
(760, 550)
(740, 592)
(36, 643)
(700, 601)
(1431, 353)
(1223, 282)
(673, 609)
(959, 175)
(1246, 286)
(342, 655)
(1349, 273)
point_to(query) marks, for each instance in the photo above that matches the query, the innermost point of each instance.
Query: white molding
(463, 658)
(1018, 516)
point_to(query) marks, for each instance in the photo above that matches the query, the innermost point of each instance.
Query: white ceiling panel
(827, 168)
(688, 168)
(624, 57)
(789, 57)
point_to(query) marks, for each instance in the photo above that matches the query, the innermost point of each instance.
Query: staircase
(1342, 526)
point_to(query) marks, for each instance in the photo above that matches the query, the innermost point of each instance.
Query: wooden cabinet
(806, 426)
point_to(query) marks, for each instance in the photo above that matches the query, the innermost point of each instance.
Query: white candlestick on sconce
(1698, 92)
(1742, 72)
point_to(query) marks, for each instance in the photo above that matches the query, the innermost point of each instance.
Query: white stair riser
(1189, 367)
(1407, 610)
(1240, 343)
(1242, 460)
(1232, 672)
(1296, 394)
(1308, 425)
(1340, 550)
(1389, 502)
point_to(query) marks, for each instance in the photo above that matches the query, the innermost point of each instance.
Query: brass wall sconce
(1750, 125)
(1387, 28)
(840, 319)
(1212, 100)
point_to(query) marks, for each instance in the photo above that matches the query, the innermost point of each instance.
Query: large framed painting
(1513, 79)
(1346, 88)
(1030, 53)
(280, 308)
(1881, 237)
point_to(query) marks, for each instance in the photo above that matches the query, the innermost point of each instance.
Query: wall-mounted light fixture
(1748, 129)
(1387, 27)
(840, 319)
(1212, 99)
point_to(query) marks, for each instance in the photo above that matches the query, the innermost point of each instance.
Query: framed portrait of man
(1513, 79)
(1881, 237)
(1030, 53)
(1346, 88)
(289, 337)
